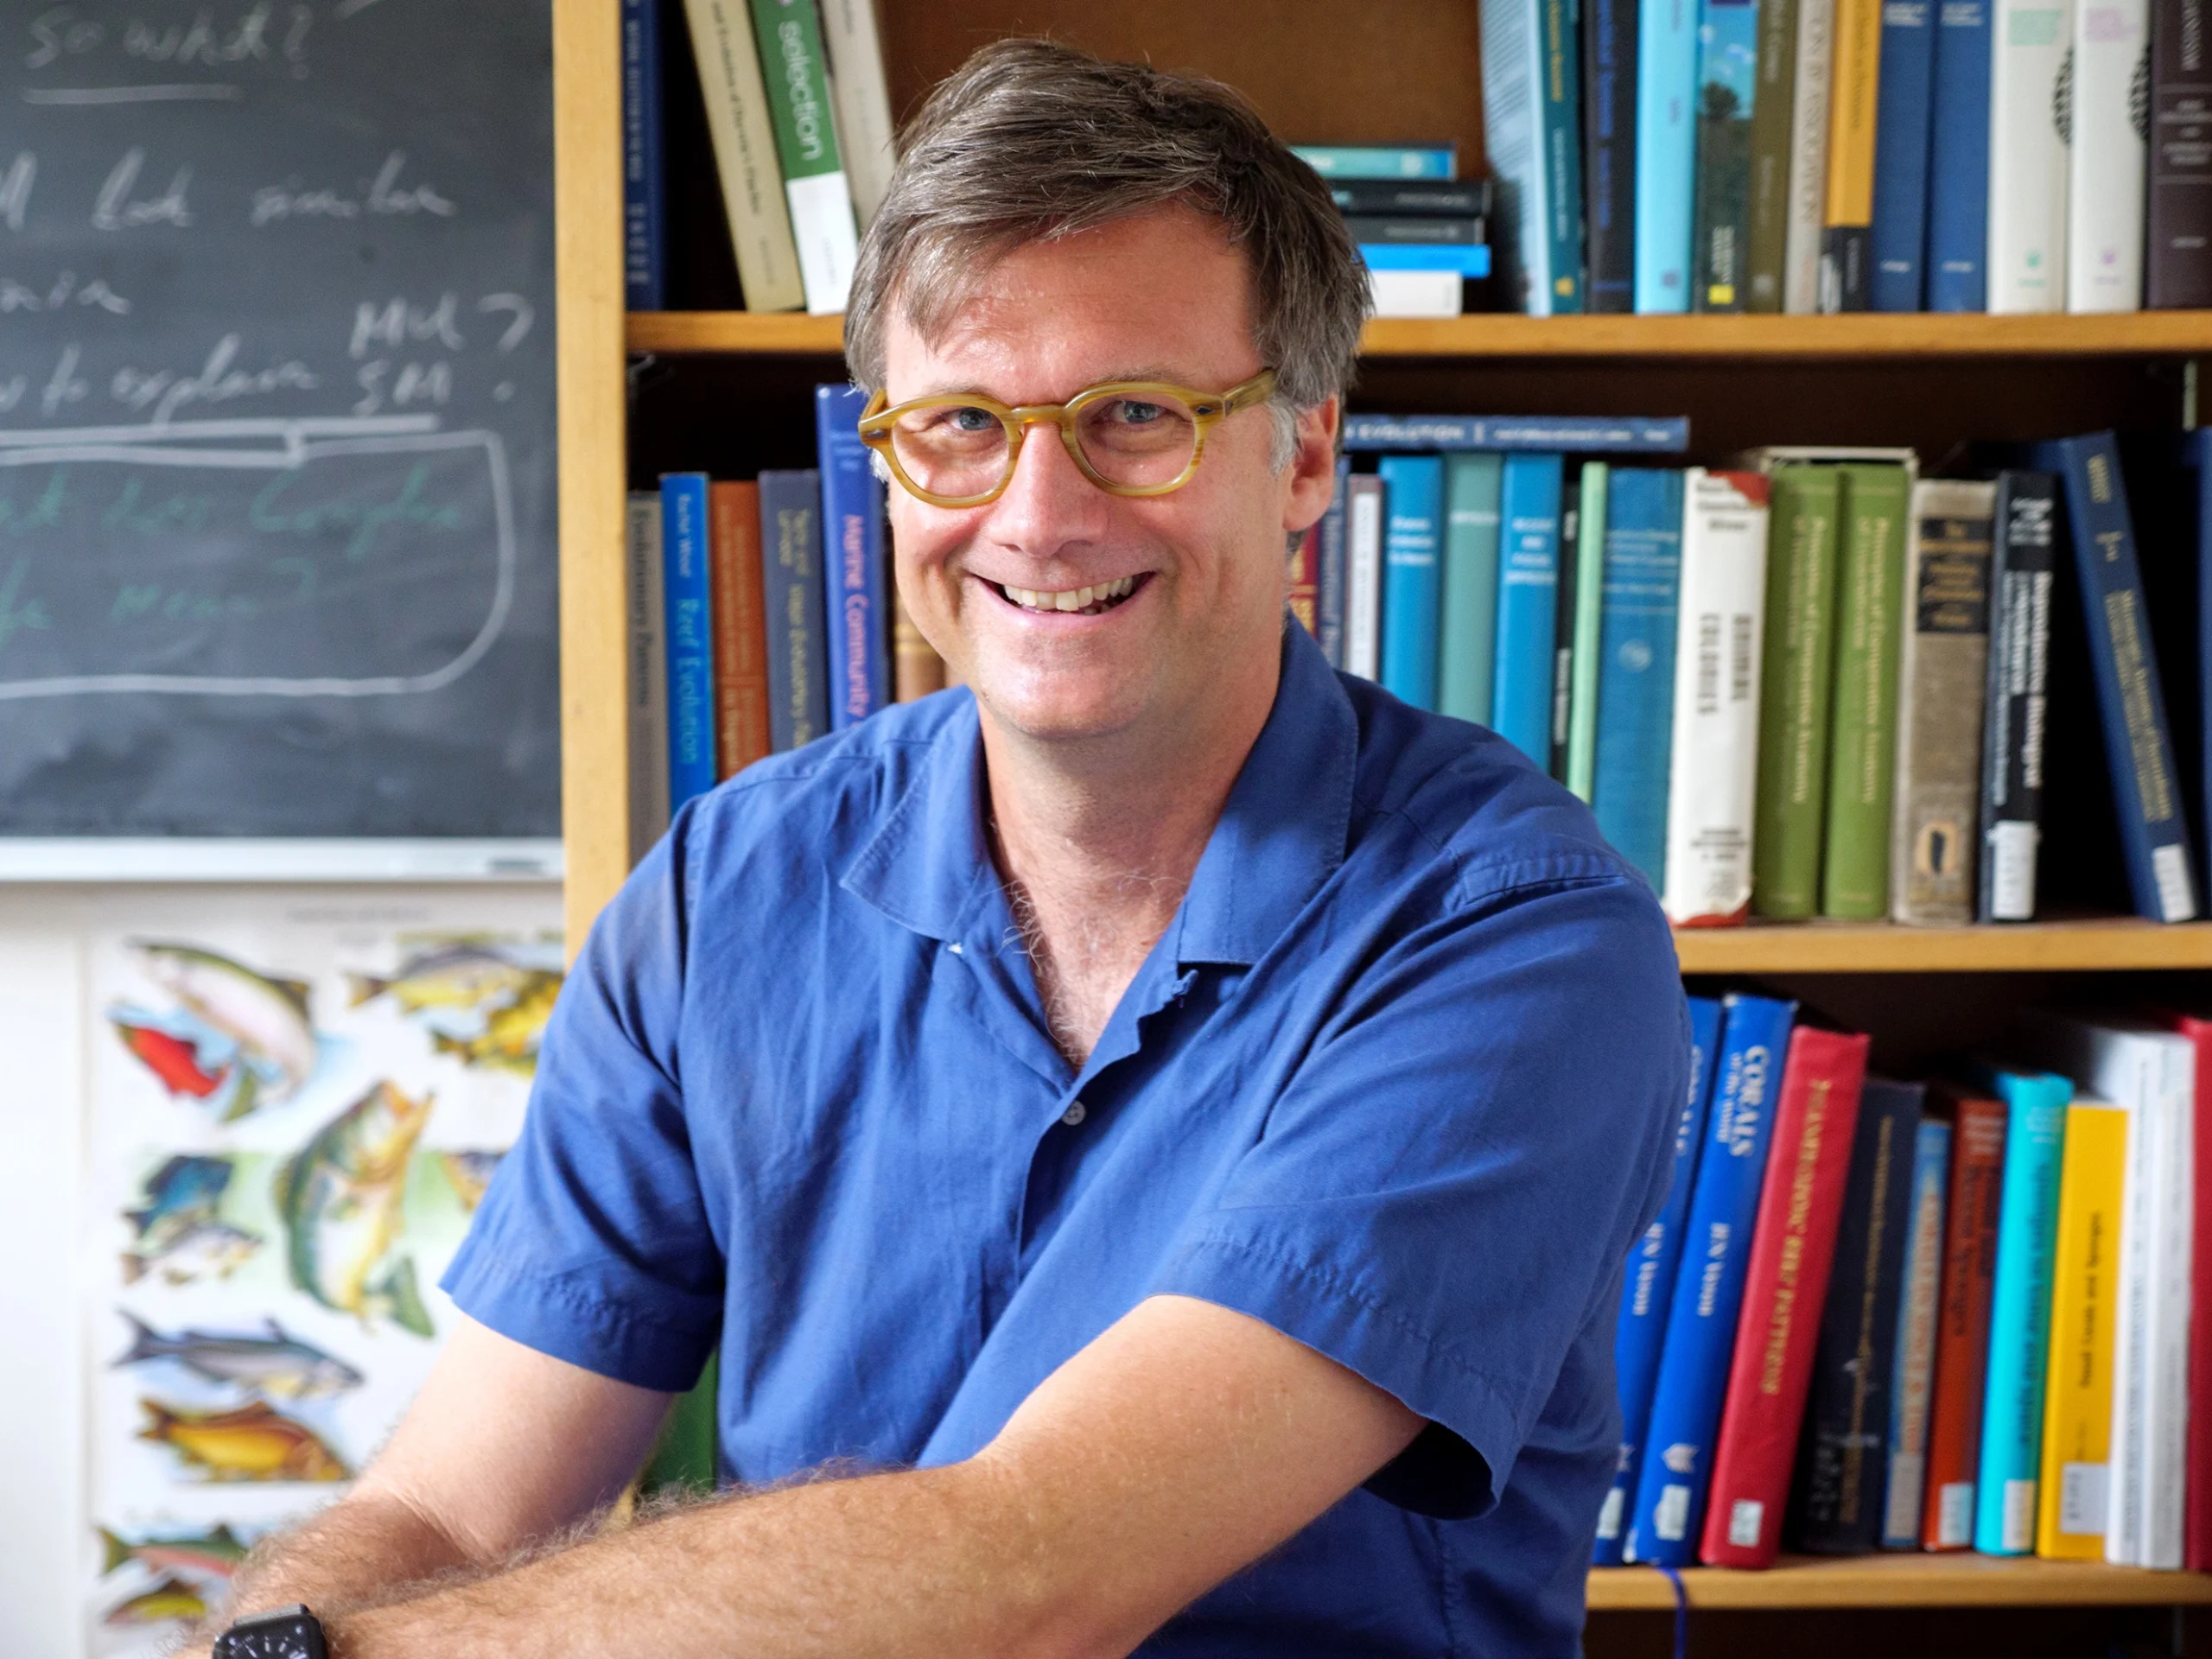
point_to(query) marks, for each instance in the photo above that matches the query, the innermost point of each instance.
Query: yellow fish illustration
(460, 975)
(511, 1034)
(340, 1199)
(171, 1598)
(251, 1443)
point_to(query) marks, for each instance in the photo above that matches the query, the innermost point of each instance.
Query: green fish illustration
(266, 1017)
(275, 1364)
(216, 1553)
(340, 1200)
(171, 1598)
(460, 975)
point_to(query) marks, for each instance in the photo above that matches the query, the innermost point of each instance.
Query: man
(1165, 1109)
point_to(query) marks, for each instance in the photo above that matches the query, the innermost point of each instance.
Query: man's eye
(1127, 411)
(969, 419)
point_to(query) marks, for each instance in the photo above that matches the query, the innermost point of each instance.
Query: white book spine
(2029, 129)
(648, 699)
(1364, 579)
(1713, 763)
(2166, 1390)
(829, 247)
(2105, 198)
(1512, 71)
(862, 98)
(1808, 159)
(745, 154)
(2120, 1074)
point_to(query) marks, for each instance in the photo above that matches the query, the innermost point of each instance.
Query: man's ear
(1313, 466)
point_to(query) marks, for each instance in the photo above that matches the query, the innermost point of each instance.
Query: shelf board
(1900, 1580)
(2139, 334)
(1879, 948)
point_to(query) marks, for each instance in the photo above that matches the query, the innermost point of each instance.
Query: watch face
(288, 1638)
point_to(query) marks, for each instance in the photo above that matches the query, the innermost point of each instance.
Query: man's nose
(1048, 502)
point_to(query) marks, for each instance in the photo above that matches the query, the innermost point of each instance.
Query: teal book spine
(1666, 152)
(684, 582)
(1727, 83)
(1636, 668)
(1589, 615)
(1467, 643)
(1528, 599)
(2019, 1309)
(1412, 491)
(1561, 92)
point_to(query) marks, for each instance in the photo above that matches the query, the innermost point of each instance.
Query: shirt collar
(1281, 835)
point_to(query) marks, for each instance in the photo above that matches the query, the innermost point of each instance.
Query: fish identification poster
(296, 1107)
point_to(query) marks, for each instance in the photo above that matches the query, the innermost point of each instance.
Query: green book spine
(1766, 230)
(796, 74)
(1796, 682)
(682, 1459)
(1589, 610)
(1862, 764)
(1467, 649)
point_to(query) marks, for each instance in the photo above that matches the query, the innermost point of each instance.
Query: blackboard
(277, 514)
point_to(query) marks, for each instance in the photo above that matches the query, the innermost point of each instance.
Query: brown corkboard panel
(1320, 70)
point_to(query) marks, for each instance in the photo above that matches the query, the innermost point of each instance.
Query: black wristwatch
(286, 1633)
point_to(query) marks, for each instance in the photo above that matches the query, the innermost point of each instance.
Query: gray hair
(1029, 140)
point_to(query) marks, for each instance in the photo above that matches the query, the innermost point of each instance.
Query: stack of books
(1942, 1315)
(1808, 155)
(1423, 235)
(1815, 685)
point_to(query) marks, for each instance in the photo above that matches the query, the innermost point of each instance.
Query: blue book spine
(2020, 1310)
(1471, 262)
(1609, 155)
(1900, 229)
(1958, 159)
(1329, 606)
(1636, 668)
(1413, 488)
(1514, 137)
(791, 592)
(1913, 1378)
(1648, 1285)
(645, 232)
(852, 524)
(1585, 434)
(1560, 88)
(1666, 152)
(2138, 745)
(1708, 1291)
(690, 636)
(1528, 603)
(1381, 161)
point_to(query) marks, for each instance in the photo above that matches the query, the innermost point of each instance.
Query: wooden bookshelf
(1901, 1580)
(1879, 948)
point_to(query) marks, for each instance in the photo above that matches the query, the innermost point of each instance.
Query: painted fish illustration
(470, 1173)
(254, 1442)
(186, 1185)
(273, 1365)
(216, 1553)
(512, 1033)
(267, 1018)
(460, 975)
(198, 1249)
(172, 1059)
(176, 1229)
(340, 1199)
(171, 1598)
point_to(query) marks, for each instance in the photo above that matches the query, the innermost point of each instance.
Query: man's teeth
(1071, 599)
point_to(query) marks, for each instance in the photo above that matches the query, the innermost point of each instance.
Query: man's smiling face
(1187, 589)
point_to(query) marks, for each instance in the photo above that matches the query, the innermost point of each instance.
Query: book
(1714, 766)
(1766, 214)
(2107, 156)
(1810, 105)
(1667, 1513)
(861, 98)
(1727, 88)
(2024, 564)
(1836, 1499)
(2019, 1309)
(1417, 230)
(1796, 687)
(1585, 434)
(2178, 275)
(745, 154)
(2031, 44)
(916, 671)
(1424, 162)
(1413, 496)
(821, 202)
(1666, 152)
(858, 662)
(1962, 1313)
(1527, 592)
(1467, 602)
(1912, 1382)
(1609, 154)
(740, 625)
(2197, 1474)
(2168, 491)
(2154, 835)
(1958, 159)
(1563, 604)
(1855, 850)
(645, 188)
(1304, 574)
(1329, 601)
(2074, 1497)
(1648, 1287)
(1943, 677)
(1463, 260)
(1471, 199)
(1897, 238)
(1530, 131)
(1417, 292)
(1363, 577)
(647, 701)
(1588, 622)
(1792, 1250)
(685, 575)
(791, 565)
(1847, 220)
(1636, 674)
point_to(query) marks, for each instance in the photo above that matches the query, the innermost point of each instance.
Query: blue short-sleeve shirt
(1397, 1080)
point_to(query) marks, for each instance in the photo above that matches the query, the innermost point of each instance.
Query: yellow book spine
(2072, 1494)
(1851, 113)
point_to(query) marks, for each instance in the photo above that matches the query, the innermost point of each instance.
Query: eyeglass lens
(962, 449)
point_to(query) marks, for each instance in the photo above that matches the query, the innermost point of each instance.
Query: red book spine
(2196, 1487)
(1962, 1318)
(741, 627)
(1793, 1246)
(1306, 580)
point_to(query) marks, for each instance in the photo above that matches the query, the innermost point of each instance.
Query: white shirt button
(1075, 1115)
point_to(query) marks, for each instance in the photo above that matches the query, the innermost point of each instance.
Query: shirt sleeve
(591, 1243)
(1447, 1187)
